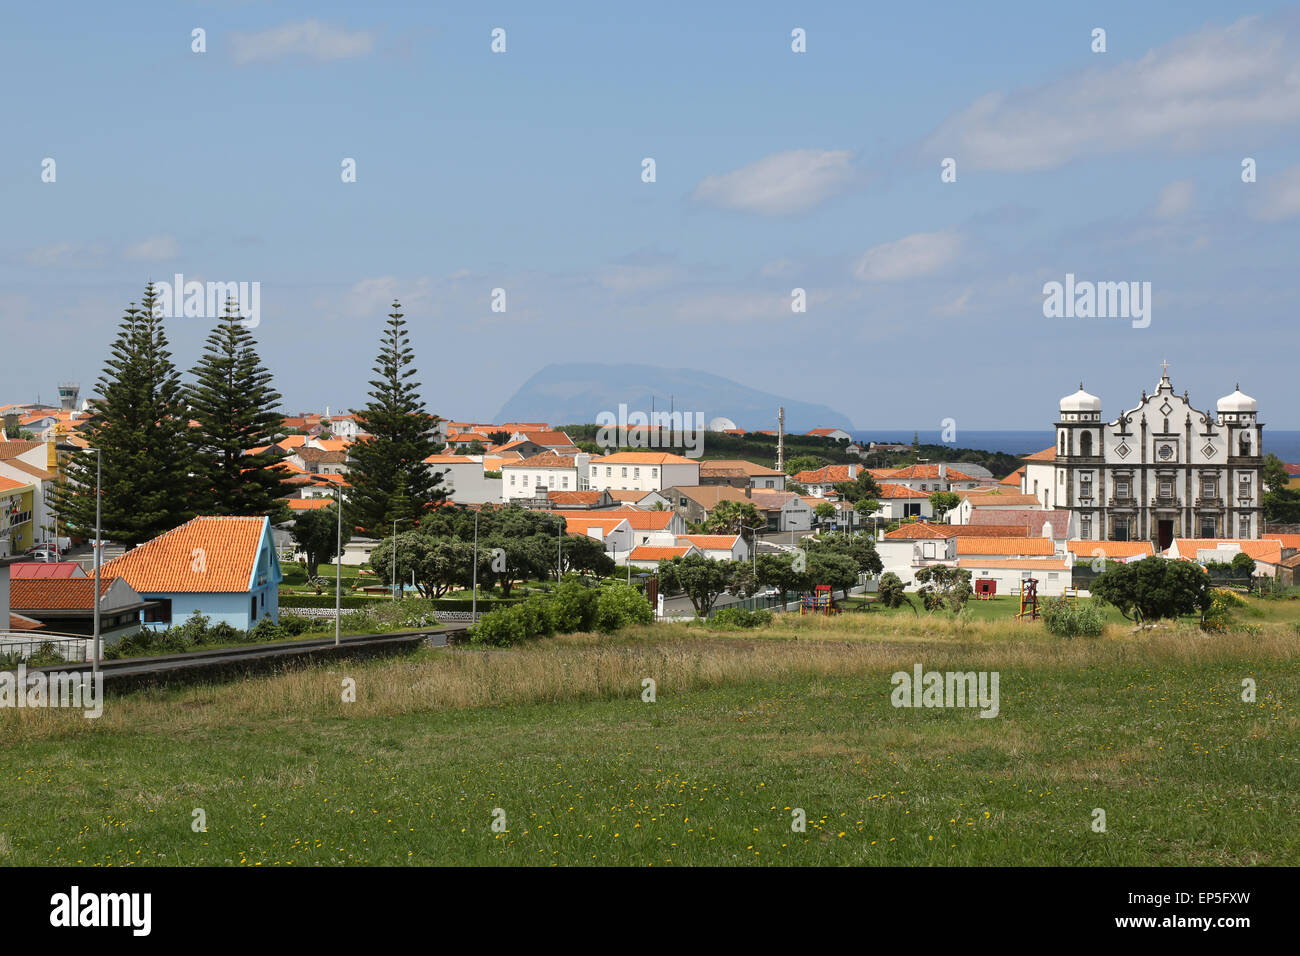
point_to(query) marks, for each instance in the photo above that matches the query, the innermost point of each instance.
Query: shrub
(891, 592)
(500, 628)
(1068, 619)
(620, 605)
(575, 605)
(265, 630)
(739, 618)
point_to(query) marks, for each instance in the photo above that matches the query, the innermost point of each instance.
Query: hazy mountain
(575, 393)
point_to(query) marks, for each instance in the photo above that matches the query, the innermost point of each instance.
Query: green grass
(1152, 730)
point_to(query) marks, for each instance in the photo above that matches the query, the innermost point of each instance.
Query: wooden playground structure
(1029, 607)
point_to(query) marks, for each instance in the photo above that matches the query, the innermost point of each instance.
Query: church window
(1245, 446)
(1085, 445)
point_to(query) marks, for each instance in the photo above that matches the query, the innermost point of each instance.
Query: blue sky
(774, 170)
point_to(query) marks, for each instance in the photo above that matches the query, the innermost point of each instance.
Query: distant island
(578, 392)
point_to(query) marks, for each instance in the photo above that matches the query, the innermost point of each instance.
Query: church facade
(1159, 471)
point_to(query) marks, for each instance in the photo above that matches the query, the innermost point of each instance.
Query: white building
(642, 471)
(1159, 471)
(464, 479)
(552, 472)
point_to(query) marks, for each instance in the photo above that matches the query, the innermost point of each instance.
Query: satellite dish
(720, 424)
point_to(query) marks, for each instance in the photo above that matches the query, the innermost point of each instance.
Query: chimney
(853, 472)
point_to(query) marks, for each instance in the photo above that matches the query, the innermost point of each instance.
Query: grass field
(746, 728)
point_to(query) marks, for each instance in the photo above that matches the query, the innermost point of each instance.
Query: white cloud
(311, 39)
(1281, 195)
(155, 247)
(1189, 92)
(1175, 200)
(711, 308)
(911, 257)
(957, 306)
(63, 253)
(621, 279)
(373, 298)
(782, 183)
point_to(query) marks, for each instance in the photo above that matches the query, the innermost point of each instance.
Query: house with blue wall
(223, 568)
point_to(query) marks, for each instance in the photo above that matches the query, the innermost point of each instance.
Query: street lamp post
(338, 567)
(473, 601)
(99, 549)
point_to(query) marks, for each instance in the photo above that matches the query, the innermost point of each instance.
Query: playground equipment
(818, 602)
(986, 588)
(1028, 599)
(1072, 594)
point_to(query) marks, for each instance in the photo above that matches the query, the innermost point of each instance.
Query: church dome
(1238, 402)
(1081, 401)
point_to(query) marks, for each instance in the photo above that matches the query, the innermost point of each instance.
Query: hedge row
(352, 602)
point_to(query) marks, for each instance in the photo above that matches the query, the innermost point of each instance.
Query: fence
(20, 647)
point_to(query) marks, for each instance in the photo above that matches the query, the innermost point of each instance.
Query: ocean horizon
(1283, 443)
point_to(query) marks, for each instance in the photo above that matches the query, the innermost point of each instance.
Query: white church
(1160, 471)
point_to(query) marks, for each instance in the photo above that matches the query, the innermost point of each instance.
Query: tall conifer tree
(139, 424)
(235, 408)
(388, 464)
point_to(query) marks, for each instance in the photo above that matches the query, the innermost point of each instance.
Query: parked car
(43, 555)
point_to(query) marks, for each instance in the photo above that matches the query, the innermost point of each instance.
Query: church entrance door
(1165, 530)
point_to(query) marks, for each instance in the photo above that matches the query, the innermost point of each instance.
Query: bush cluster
(738, 618)
(1070, 619)
(571, 607)
(199, 631)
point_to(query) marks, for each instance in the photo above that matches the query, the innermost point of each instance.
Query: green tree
(140, 426)
(824, 512)
(729, 517)
(316, 534)
(701, 579)
(805, 463)
(399, 438)
(586, 556)
(858, 547)
(863, 486)
(1153, 588)
(891, 592)
(1275, 476)
(832, 568)
(943, 587)
(778, 571)
(235, 408)
(942, 502)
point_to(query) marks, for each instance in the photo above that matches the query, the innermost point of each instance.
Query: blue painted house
(224, 568)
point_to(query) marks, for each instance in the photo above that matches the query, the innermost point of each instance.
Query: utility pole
(473, 601)
(780, 438)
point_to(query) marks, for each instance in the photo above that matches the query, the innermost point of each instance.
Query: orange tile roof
(57, 594)
(651, 552)
(830, 474)
(577, 522)
(931, 471)
(710, 542)
(574, 497)
(545, 459)
(1268, 550)
(1013, 480)
(449, 460)
(14, 448)
(19, 623)
(1288, 540)
(970, 545)
(737, 464)
(8, 484)
(643, 520)
(991, 499)
(647, 458)
(919, 529)
(309, 504)
(1047, 454)
(888, 490)
(169, 563)
(24, 570)
(1110, 549)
